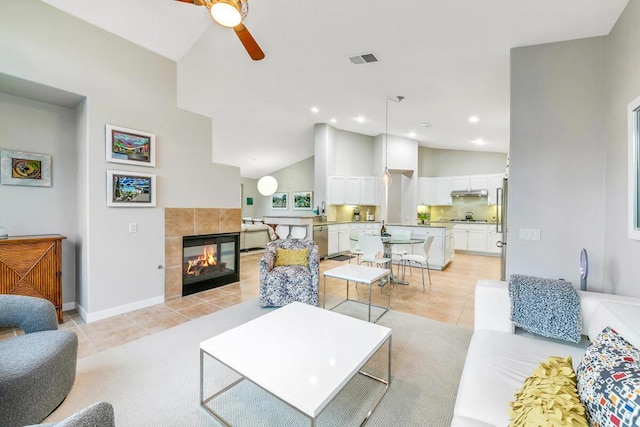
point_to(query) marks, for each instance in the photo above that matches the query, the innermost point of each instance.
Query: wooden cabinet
(443, 187)
(338, 239)
(471, 237)
(427, 191)
(32, 266)
(337, 190)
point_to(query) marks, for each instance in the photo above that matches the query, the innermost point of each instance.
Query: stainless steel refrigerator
(502, 199)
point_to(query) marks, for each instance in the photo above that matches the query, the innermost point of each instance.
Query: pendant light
(267, 185)
(386, 177)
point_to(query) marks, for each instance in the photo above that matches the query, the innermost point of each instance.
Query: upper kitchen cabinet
(427, 191)
(494, 181)
(352, 190)
(470, 182)
(442, 193)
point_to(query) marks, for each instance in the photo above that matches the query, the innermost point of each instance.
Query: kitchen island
(442, 249)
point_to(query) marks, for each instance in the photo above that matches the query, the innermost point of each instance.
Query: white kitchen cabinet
(352, 190)
(442, 191)
(427, 191)
(338, 239)
(368, 190)
(478, 182)
(494, 181)
(471, 237)
(459, 183)
(337, 190)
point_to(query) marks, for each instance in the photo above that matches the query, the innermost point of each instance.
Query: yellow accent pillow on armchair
(292, 257)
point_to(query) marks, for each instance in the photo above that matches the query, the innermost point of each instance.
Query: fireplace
(209, 261)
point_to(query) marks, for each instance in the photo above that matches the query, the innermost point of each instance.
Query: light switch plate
(529, 234)
(133, 227)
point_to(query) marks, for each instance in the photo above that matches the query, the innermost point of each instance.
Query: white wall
(621, 265)
(439, 162)
(38, 127)
(557, 159)
(129, 86)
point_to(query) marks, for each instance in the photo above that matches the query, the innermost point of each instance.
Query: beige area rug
(154, 381)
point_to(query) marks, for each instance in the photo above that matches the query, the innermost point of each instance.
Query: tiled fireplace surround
(179, 222)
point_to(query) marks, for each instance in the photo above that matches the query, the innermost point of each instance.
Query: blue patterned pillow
(609, 381)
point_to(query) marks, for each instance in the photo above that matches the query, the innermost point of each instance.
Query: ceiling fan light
(226, 12)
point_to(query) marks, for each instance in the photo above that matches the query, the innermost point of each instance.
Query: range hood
(470, 193)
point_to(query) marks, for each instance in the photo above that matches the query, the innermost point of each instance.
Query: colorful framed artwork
(279, 201)
(129, 146)
(302, 200)
(131, 189)
(20, 168)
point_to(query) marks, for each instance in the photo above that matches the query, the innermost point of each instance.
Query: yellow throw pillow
(292, 257)
(549, 397)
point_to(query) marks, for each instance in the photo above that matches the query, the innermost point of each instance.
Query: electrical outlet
(133, 227)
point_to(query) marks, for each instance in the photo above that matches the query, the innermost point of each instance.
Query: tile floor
(450, 300)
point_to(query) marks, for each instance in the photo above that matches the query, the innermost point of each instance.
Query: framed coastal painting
(302, 200)
(130, 146)
(131, 189)
(279, 201)
(20, 168)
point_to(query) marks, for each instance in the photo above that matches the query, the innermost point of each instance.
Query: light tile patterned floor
(449, 299)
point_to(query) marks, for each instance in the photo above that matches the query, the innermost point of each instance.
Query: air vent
(363, 59)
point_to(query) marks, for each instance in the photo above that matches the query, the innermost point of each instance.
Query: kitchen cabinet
(32, 266)
(471, 237)
(352, 190)
(442, 194)
(469, 182)
(338, 239)
(363, 228)
(427, 191)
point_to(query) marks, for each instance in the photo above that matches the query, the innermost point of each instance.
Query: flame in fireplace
(207, 259)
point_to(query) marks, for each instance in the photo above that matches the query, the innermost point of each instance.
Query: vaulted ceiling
(449, 59)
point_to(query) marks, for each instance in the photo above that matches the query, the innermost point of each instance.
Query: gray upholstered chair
(37, 369)
(99, 414)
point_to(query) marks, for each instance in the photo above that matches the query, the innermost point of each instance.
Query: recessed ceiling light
(333, 120)
(424, 125)
(412, 134)
(314, 109)
(474, 119)
(359, 119)
(479, 141)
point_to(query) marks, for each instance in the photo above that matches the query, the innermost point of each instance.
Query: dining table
(390, 241)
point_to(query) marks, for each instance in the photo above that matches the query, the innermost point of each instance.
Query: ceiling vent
(363, 59)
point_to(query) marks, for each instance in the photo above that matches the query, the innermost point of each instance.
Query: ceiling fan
(231, 13)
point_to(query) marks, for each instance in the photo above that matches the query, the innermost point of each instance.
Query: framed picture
(20, 168)
(279, 201)
(131, 189)
(302, 200)
(133, 147)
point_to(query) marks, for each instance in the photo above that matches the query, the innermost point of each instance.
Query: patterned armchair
(284, 284)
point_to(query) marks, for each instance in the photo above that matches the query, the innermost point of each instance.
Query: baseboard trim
(121, 309)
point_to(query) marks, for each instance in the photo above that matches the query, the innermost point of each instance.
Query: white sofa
(500, 358)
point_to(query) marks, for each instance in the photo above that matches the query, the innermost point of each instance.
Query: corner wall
(129, 86)
(557, 159)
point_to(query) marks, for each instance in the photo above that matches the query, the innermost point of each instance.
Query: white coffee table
(301, 354)
(359, 274)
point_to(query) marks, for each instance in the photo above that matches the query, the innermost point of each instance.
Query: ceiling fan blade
(194, 2)
(249, 42)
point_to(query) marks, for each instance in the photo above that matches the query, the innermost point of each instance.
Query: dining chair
(399, 250)
(372, 247)
(420, 260)
(356, 251)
